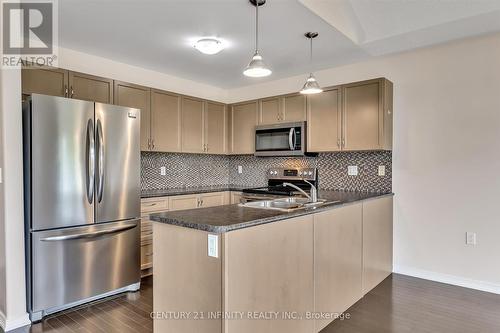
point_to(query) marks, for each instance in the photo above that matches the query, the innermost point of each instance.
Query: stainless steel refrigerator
(82, 201)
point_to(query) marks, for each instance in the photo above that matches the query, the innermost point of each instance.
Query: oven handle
(292, 138)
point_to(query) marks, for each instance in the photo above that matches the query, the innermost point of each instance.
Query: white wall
(14, 314)
(446, 158)
(86, 63)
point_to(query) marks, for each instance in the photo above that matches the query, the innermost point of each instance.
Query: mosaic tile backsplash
(187, 170)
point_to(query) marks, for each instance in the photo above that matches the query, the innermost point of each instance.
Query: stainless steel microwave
(287, 139)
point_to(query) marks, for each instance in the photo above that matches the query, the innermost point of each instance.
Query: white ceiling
(158, 34)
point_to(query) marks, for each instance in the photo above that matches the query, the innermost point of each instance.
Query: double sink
(288, 204)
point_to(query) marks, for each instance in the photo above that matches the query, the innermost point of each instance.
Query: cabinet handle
(338, 143)
(153, 143)
(151, 204)
(72, 92)
(65, 91)
(343, 142)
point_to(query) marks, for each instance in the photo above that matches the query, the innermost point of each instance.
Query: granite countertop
(190, 190)
(226, 218)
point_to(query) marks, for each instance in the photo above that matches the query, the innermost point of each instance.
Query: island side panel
(377, 241)
(269, 269)
(186, 280)
(337, 261)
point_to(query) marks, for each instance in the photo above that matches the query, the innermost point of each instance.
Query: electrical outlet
(240, 169)
(213, 245)
(352, 170)
(381, 170)
(470, 238)
(163, 171)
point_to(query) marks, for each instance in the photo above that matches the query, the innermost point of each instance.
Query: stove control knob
(310, 173)
(300, 173)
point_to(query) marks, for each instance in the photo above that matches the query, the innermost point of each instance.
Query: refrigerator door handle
(100, 161)
(88, 234)
(90, 155)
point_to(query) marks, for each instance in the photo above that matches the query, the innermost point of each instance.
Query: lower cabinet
(161, 204)
(148, 206)
(377, 242)
(235, 198)
(337, 260)
(269, 268)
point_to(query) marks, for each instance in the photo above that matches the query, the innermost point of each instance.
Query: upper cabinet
(290, 108)
(44, 81)
(243, 121)
(324, 121)
(165, 121)
(294, 108)
(192, 125)
(90, 88)
(352, 117)
(367, 115)
(63, 83)
(134, 96)
(215, 128)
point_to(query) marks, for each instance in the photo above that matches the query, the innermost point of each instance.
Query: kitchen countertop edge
(219, 229)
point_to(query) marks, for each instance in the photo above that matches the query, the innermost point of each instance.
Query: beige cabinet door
(337, 260)
(362, 115)
(270, 111)
(192, 125)
(377, 241)
(165, 121)
(52, 81)
(186, 280)
(269, 268)
(235, 198)
(184, 202)
(134, 96)
(243, 122)
(294, 108)
(90, 88)
(215, 128)
(212, 199)
(324, 121)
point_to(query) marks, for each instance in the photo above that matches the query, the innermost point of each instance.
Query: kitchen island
(237, 269)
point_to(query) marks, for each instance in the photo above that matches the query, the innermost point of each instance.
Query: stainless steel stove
(275, 188)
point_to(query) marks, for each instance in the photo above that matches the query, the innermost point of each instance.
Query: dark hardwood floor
(399, 304)
(403, 304)
(124, 313)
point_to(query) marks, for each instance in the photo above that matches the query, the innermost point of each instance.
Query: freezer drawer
(72, 264)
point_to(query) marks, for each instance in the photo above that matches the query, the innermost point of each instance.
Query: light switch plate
(240, 169)
(381, 170)
(213, 246)
(352, 170)
(163, 171)
(470, 238)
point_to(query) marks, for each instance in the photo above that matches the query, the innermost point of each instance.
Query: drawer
(146, 239)
(146, 256)
(150, 205)
(146, 225)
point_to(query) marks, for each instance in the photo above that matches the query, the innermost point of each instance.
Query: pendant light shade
(311, 86)
(257, 67)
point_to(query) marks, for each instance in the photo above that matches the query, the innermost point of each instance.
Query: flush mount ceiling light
(209, 45)
(257, 67)
(311, 86)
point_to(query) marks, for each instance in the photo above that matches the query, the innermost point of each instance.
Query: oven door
(280, 140)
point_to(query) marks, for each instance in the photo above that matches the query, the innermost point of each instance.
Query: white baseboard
(9, 324)
(449, 279)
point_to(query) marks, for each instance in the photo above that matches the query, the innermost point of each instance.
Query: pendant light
(256, 67)
(311, 86)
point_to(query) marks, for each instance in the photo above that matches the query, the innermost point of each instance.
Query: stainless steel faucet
(314, 192)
